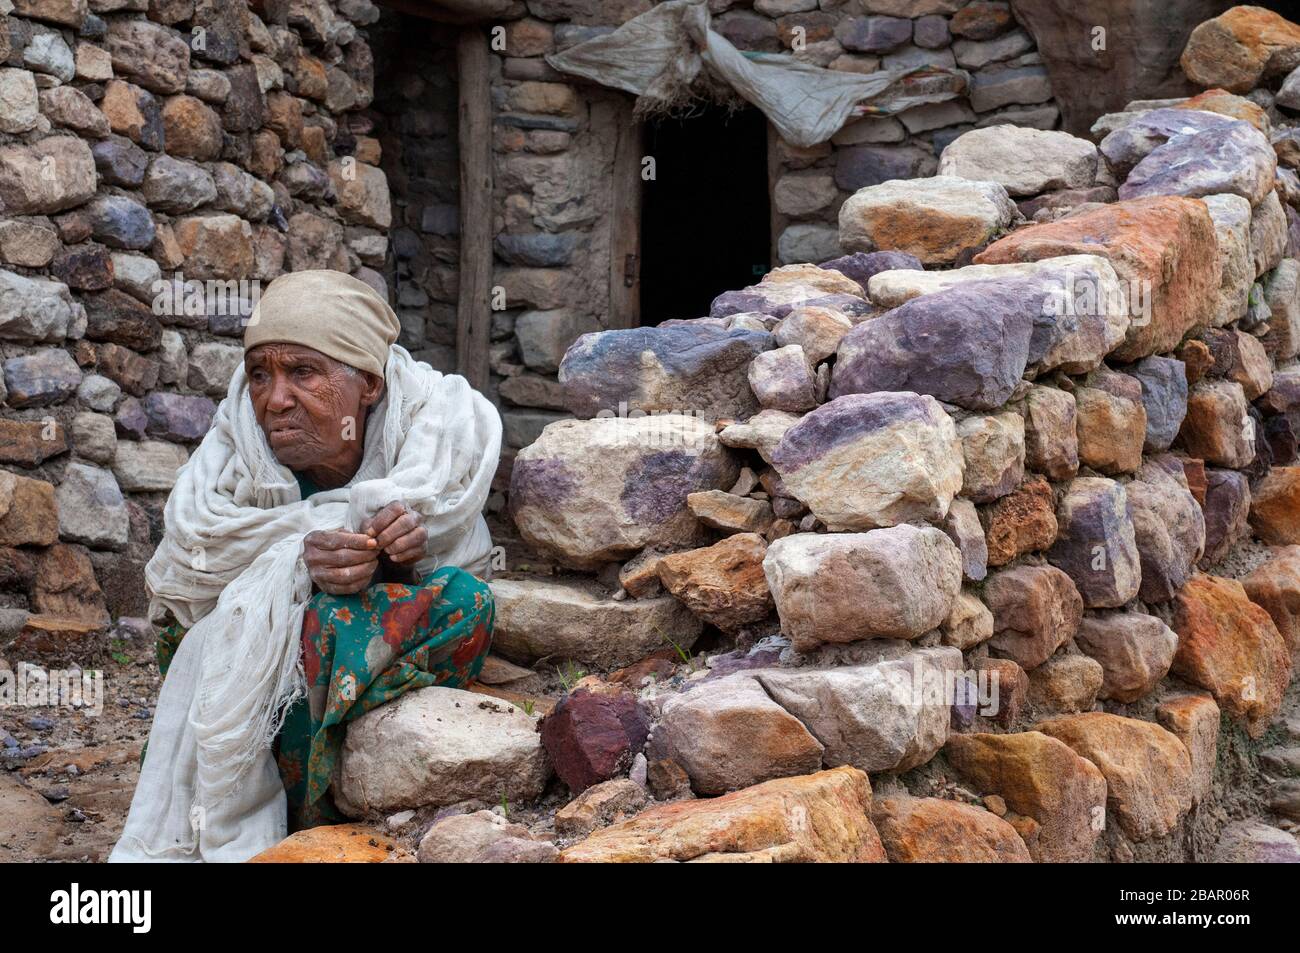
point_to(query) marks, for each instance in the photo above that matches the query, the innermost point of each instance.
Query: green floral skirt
(361, 651)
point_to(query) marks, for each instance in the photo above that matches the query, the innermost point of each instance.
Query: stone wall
(1047, 460)
(552, 185)
(142, 141)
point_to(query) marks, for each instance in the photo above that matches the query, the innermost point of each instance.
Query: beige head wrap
(334, 313)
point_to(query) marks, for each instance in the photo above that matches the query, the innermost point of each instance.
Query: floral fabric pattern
(362, 651)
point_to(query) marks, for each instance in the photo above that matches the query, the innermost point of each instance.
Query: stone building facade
(553, 188)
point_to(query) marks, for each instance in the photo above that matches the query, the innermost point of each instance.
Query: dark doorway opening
(705, 225)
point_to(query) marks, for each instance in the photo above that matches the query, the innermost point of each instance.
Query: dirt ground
(68, 774)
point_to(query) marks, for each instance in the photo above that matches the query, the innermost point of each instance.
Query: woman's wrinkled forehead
(280, 351)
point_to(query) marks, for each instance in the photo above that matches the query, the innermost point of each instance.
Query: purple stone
(177, 416)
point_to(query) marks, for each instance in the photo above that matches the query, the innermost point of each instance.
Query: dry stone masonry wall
(142, 143)
(1032, 437)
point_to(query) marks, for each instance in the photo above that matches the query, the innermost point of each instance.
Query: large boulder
(1232, 217)
(1023, 161)
(723, 584)
(818, 817)
(966, 345)
(575, 620)
(1096, 544)
(1275, 586)
(936, 219)
(439, 746)
(896, 583)
(1041, 778)
(868, 460)
(1079, 309)
(1275, 507)
(1124, 147)
(697, 369)
(1168, 527)
(727, 734)
(1134, 650)
(1231, 159)
(590, 492)
(1236, 50)
(1218, 427)
(1148, 771)
(1194, 720)
(935, 830)
(1164, 248)
(1036, 610)
(1231, 647)
(1164, 396)
(889, 716)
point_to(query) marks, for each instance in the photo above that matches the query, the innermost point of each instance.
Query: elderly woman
(324, 552)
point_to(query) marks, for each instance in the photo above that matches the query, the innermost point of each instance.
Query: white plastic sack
(659, 54)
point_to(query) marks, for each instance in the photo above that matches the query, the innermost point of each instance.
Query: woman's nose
(280, 397)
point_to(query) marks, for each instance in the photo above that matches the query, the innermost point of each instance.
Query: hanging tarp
(668, 56)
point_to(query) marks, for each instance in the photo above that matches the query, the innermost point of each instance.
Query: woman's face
(311, 407)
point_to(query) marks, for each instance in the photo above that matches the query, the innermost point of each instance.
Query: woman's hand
(399, 533)
(340, 563)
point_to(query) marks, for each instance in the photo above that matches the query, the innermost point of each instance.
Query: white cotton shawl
(230, 570)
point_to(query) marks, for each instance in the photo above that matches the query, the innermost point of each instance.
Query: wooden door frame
(474, 302)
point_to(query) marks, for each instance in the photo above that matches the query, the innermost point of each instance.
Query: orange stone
(1148, 770)
(1274, 585)
(1166, 244)
(809, 818)
(1194, 720)
(1275, 507)
(120, 104)
(724, 583)
(1237, 49)
(28, 513)
(1041, 778)
(934, 831)
(30, 442)
(1231, 647)
(1226, 104)
(66, 585)
(284, 115)
(1023, 521)
(191, 128)
(334, 844)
